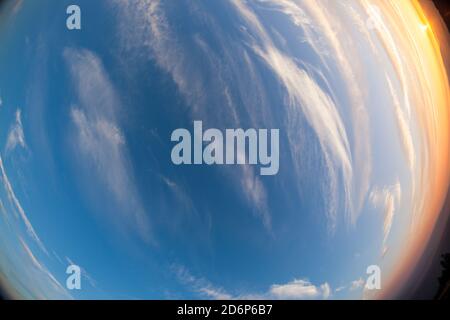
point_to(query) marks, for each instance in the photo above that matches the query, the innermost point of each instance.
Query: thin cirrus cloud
(18, 209)
(354, 285)
(389, 33)
(45, 285)
(307, 97)
(100, 140)
(16, 137)
(199, 285)
(388, 198)
(330, 40)
(92, 282)
(357, 284)
(404, 126)
(414, 46)
(152, 31)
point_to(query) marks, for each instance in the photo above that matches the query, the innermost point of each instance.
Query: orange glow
(426, 54)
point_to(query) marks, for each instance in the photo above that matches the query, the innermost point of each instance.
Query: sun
(424, 27)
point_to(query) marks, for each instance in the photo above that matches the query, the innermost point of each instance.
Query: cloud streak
(152, 31)
(100, 140)
(305, 97)
(45, 285)
(388, 198)
(18, 207)
(16, 137)
(199, 285)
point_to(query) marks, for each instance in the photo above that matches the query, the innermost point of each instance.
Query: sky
(358, 89)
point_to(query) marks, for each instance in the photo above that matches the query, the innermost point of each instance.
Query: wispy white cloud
(38, 265)
(45, 285)
(352, 286)
(388, 198)
(357, 284)
(345, 57)
(304, 94)
(331, 40)
(179, 193)
(84, 273)
(307, 97)
(18, 207)
(326, 290)
(100, 140)
(255, 192)
(152, 31)
(322, 94)
(16, 136)
(404, 127)
(339, 289)
(199, 285)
